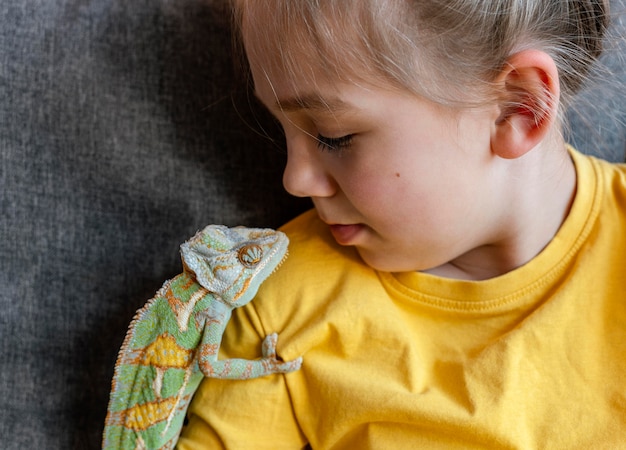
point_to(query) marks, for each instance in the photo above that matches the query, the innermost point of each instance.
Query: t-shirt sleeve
(254, 413)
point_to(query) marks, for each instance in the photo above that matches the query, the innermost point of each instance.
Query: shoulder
(318, 281)
(600, 213)
(314, 262)
(614, 177)
(603, 179)
(586, 162)
(312, 249)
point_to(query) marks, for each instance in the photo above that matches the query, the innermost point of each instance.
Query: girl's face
(405, 181)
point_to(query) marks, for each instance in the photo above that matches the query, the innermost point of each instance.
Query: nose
(306, 174)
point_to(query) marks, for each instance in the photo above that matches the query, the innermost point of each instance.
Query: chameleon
(172, 342)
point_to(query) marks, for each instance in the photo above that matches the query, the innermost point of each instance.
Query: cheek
(408, 183)
(372, 175)
(376, 185)
(391, 197)
(404, 202)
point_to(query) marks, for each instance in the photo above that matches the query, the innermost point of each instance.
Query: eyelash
(334, 144)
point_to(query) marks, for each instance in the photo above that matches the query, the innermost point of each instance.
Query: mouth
(346, 234)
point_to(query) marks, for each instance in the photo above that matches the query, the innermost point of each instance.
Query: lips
(345, 234)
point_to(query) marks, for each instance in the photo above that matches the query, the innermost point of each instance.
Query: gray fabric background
(124, 129)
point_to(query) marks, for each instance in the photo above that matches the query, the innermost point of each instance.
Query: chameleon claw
(269, 346)
(269, 355)
(289, 366)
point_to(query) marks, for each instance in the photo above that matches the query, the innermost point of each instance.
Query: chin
(387, 263)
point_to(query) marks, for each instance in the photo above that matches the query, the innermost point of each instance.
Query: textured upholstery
(124, 129)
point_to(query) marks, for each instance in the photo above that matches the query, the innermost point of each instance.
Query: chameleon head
(233, 262)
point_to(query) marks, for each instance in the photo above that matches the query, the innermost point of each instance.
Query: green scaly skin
(173, 341)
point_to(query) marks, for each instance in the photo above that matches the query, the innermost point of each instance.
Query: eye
(331, 144)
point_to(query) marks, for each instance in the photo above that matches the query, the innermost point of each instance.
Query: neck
(537, 192)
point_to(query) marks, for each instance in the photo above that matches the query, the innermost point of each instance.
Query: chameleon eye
(250, 255)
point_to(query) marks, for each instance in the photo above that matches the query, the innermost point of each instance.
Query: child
(460, 283)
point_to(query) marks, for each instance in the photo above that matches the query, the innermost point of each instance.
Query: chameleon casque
(173, 341)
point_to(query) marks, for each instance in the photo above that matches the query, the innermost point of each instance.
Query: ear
(528, 104)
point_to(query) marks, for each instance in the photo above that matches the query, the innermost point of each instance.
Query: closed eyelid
(316, 108)
(334, 144)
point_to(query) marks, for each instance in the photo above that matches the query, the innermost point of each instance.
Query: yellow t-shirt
(533, 359)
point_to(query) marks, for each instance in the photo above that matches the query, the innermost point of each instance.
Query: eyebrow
(311, 102)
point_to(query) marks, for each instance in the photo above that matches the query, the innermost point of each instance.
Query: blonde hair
(443, 50)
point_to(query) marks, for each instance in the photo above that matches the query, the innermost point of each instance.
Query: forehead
(291, 93)
(306, 41)
(298, 44)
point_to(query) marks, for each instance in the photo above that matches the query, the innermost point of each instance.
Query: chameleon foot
(269, 356)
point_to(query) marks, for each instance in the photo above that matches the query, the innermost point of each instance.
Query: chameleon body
(173, 341)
